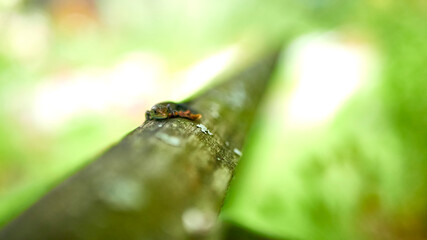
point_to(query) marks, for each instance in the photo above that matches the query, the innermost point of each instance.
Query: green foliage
(361, 176)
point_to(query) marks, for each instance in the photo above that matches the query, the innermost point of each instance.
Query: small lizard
(166, 110)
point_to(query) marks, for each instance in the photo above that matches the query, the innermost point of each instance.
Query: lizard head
(158, 111)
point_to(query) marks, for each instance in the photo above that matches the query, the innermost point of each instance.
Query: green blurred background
(337, 150)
